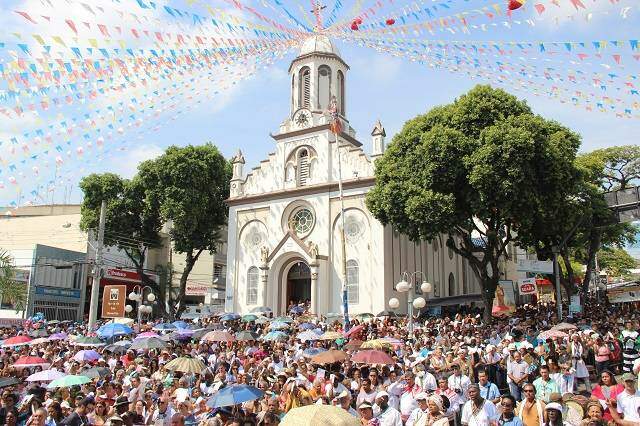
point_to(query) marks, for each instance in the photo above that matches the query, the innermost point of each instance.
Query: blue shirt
(489, 391)
(515, 421)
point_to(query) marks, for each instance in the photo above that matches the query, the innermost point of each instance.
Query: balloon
(354, 26)
(514, 4)
(390, 21)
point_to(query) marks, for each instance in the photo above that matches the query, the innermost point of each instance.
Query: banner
(504, 303)
(535, 266)
(113, 301)
(624, 294)
(527, 286)
(196, 289)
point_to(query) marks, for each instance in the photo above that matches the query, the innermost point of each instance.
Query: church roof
(318, 43)
(378, 130)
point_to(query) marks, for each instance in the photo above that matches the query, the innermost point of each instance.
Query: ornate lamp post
(137, 295)
(407, 282)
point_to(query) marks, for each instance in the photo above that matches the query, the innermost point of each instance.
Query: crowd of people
(527, 369)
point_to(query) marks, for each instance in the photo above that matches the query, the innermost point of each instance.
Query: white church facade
(284, 232)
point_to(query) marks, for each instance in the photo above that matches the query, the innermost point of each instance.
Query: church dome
(318, 43)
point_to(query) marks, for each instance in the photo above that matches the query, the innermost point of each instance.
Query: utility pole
(345, 301)
(97, 268)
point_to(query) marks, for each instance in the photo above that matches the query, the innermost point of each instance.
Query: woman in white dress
(577, 352)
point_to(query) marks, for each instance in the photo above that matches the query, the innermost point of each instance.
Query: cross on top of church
(317, 11)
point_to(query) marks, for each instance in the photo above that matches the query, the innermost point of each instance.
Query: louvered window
(304, 100)
(303, 167)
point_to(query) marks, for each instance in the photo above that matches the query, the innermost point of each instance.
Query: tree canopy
(11, 291)
(479, 170)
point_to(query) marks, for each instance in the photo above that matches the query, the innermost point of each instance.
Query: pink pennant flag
(72, 25)
(540, 8)
(135, 33)
(25, 15)
(577, 4)
(103, 30)
(617, 59)
(582, 56)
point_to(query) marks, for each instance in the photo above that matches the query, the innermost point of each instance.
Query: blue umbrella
(312, 352)
(180, 324)
(307, 335)
(297, 309)
(164, 326)
(230, 317)
(306, 326)
(278, 325)
(111, 330)
(275, 335)
(234, 395)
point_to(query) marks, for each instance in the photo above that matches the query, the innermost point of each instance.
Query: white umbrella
(45, 376)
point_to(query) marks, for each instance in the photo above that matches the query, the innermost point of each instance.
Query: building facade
(285, 215)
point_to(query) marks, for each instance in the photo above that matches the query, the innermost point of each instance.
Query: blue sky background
(378, 86)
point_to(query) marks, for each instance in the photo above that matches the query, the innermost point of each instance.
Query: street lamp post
(137, 295)
(406, 284)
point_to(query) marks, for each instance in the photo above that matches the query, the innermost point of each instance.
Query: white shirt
(416, 415)
(628, 405)
(429, 382)
(164, 419)
(390, 417)
(485, 415)
(461, 382)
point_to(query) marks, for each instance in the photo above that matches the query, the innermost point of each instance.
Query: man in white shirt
(478, 411)
(420, 413)
(406, 390)
(162, 415)
(388, 416)
(517, 371)
(628, 401)
(459, 383)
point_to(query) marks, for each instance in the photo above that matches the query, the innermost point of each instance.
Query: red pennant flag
(540, 8)
(577, 4)
(103, 30)
(135, 33)
(26, 16)
(72, 25)
(617, 59)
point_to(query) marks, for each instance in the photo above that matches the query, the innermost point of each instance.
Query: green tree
(616, 261)
(619, 166)
(11, 291)
(478, 170)
(132, 223)
(190, 186)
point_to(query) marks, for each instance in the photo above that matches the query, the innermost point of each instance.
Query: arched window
(452, 284)
(304, 88)
(324, 87)
(252, 286)
(352, 282)
(341, 93)
(303, 167)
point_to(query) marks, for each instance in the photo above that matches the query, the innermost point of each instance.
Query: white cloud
(126, 164)
(559, 14)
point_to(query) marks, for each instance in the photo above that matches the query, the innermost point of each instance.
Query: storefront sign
(126, 275)
(57, 292)
(196, 289)
(624, 294)
(114, 301)
(527, 286)
(536, 266)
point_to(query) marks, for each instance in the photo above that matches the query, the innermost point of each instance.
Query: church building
(284, 233)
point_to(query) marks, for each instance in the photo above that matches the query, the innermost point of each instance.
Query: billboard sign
(535, 266)
(527, 286)
(114, 301)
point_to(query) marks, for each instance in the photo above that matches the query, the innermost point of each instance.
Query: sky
(379, 85)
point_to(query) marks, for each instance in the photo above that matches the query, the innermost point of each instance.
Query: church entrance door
(299, 284)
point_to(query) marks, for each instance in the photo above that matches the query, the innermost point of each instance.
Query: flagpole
(345, 302)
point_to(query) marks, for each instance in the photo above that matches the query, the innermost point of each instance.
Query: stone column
(264, 276)
(314, 287)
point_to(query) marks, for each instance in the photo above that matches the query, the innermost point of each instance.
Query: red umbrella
(354, 330)
(16, 340)
(372, 357)
(31, 361)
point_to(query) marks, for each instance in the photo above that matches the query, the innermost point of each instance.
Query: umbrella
(330, 335)
(376, 344)
(353, 345)
(306, 326)
(331, 318)
(39, 341)
(191, 315)
(313, 351)
(147, 334)
(96, 372)
(249, 317)
(246, 335)
(550, 334)
(45, 376)
(387, 314)
(234, 395)
(296, 310)
(9, 381)
(31, 361)
(372, 357)
(68, 381)
(261, 309)
(108, 331)
(277, 325)
(329, 357)
(354, 330)
(262, 320)
(123, 343)
(564, 326)
(59, 336)
(89, 341)
(181, 324)
(39, 333)
(53, 322)
(365, 316)
(230, 317)
(328, 415)
(88, 355)
(218, 336)
(186, 365)
(283, 319)
(272, 336)
(164, 326)
(115, 349)
(307, 335)
(149, 343)
(16, 341)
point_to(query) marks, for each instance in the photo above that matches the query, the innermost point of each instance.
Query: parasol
(372, 357)
(186, 365)
(234, 395)
(329, 357)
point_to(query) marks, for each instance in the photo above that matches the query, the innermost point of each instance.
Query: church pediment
(291, 242)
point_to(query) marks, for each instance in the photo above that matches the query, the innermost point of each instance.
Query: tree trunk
(595, 238)
(567, 283)
(190, 261)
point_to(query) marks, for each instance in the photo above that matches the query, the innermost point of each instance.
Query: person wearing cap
(365, 410)
(553, 411)
(477, 411)
(420, 412)
(344, 400)
(627, 402)
(387, 415)
(530, 410)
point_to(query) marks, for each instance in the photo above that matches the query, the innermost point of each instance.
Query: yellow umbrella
(331, 335)
(311, 415)
(376, 344)
(186, 365)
